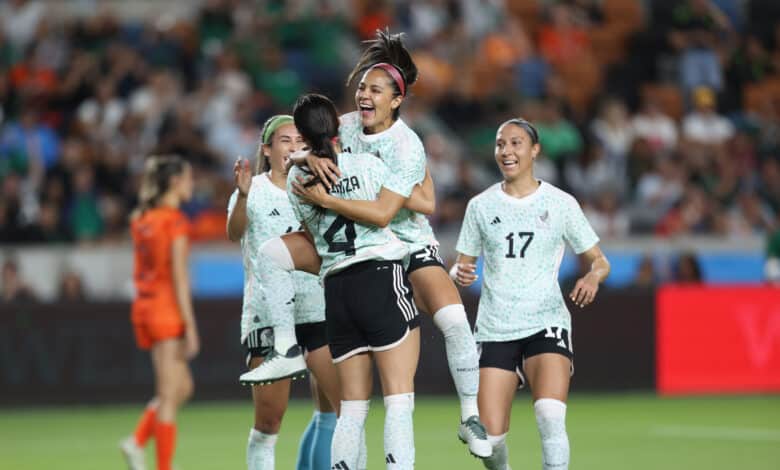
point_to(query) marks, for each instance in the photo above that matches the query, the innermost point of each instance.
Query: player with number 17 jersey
(522, 240)
(339, 241)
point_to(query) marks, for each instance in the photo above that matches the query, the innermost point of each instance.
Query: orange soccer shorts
(154, 321)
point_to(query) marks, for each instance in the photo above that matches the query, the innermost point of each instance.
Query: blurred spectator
(606, 216)
(769, 184)
(71, 287)
(687, 269)
(698, 26)
(101, 115)
(646, 276)
(564, 37)
(658, 129)
(49, 228)
(657, 192)
(29, 143)
(613, 129)
(20, 20)
(14, 289)
(84, 218)
(591, 173)
(559, 138)
(772, 265)
(704, 126)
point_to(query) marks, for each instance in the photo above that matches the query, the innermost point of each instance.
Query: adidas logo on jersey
(274, 212)
(390, 459)
(495, 221)
(340, 466)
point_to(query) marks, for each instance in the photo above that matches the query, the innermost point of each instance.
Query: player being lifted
(523, 326)
(162, 313)
(369, 305)
(258, 210)
(386, 72)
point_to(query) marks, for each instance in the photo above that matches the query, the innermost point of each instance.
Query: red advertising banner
(717, 339)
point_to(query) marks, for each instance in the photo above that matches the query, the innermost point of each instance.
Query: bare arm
(587, 286)
(423, 197)
(238, 220)
(463, 272)
(181, 284)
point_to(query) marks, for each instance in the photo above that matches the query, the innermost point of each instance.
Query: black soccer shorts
(428, 256)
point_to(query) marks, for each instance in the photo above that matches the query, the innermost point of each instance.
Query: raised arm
(237, 219)
(423, 197)
(587, 286)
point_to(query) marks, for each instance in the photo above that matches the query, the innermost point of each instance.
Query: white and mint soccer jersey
(341, 242)
(522, 242)
(401, 149)
(269, 215)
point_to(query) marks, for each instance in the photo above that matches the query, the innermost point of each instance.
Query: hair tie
(394, 74)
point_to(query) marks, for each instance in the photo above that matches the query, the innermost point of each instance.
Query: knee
(451, 318)
(186, 389)
(269, 423)
(550, 418)
(275, 252)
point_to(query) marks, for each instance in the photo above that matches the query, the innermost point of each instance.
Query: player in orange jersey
(162, 313)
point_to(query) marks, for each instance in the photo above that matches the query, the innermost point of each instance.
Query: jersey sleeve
(409, 169)
(180, 226)
(295, 202)
(232, 203)
(577, 231)
(470, 238)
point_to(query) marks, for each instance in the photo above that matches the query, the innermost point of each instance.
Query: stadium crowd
(662, 117)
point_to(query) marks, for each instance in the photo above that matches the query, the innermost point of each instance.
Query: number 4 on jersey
(348, 245)
(511, 239)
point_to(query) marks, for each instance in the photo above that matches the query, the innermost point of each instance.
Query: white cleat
(134, 455)
(472, 433)
(276, 367)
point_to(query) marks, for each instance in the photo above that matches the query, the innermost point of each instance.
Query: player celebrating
(259, 209)
(523, 326)
(387, 71)
(162, 313)
(369, 306)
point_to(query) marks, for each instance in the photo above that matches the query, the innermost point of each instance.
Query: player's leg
(438, 296)
(549, 375)
(132, 446)
(270, 404)
(174, 387)
(314, 451)
(498, 381)
(354, 374)
(279, 257)
(397, 367)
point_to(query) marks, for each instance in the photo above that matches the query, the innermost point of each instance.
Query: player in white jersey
(258, 210)
(369, 306)
(386, 71)
(520, 227)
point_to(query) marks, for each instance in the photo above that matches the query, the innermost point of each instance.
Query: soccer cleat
(276, 367)
(472, 433)
(134, 455)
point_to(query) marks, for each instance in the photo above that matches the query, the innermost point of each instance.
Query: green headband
(275, 123)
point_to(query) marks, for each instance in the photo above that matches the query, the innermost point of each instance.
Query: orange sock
(165, 434)
(145, 427)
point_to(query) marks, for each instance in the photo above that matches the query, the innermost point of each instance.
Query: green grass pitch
(615, 431)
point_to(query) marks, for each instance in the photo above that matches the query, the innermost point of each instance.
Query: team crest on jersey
(543, 220)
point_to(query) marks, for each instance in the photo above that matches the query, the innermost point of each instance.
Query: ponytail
(318, 122)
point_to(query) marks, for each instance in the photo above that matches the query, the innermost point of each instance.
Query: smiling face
(376, 100)
(285, 141)
(515, 152)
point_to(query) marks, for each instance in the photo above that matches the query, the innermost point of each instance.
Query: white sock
(345, 449)
(260, 450)
(500, 458)
(278, 292)
(551, 421)
(462, 356)
(399, 431)
(363, 456)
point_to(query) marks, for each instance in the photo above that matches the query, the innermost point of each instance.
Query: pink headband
(394, 73)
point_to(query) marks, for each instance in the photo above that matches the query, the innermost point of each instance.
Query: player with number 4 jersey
(520, 226)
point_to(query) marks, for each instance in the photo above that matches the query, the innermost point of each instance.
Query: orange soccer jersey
(155, 314)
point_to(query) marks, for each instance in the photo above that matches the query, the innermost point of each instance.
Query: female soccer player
(387, 71)
(369, 306)
(259, 210)
(523, 326)
(162, 314)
